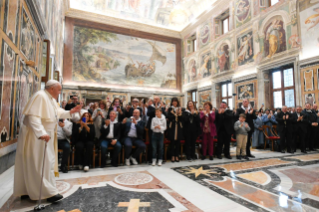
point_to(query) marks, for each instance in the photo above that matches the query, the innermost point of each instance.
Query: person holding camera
(73, 101)
(119, 110)
(84, 134)
(98, 116)
(135, 105)
(63, 134)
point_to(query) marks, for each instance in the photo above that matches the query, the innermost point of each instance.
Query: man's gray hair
(51, 83)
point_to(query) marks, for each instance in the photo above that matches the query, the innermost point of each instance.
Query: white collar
(242, 106)
(113, 122)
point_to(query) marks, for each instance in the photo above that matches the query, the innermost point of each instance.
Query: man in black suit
(316, 136)
(284, 128)
(110, 135)
(133, 135)
(299, 120)
(312, 127)
(225, 128)
(135, 103)
(71, 103)
(250, 116)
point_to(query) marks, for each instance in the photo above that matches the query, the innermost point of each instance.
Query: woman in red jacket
(207, 119)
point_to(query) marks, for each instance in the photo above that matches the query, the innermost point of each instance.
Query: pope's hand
(46, 138)
(76, 109)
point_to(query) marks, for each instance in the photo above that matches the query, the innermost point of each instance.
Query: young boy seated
(242, 128)
(158, 126)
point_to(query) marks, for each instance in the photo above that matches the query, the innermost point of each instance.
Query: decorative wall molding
(245, 78)
(205, 88)
(275, 64)
(79, 14)
(37, 17)
(309, 62)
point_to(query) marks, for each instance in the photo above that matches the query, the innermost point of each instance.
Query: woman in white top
(98, 115)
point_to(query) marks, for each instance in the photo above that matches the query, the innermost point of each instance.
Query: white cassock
(41, 115)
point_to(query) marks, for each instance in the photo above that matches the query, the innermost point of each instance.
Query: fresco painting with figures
(204, 96)
(27, 39)
(309, 20)
(310, 99)
(222, 59)
(242, 12)
(245, 48)
(206, 65)
(110, 58)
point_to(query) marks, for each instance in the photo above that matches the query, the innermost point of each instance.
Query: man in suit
(299, 120)
(316, 135)
(225, 127)
(312, 127)
(250, 116)
(284, 128)
(71, 103)
(110, 135)
(133, 135)
(135, 103)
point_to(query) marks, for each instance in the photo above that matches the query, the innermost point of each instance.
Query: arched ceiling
(169, 14)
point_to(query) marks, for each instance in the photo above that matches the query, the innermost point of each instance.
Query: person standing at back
(284, 128)
(250, 116)
(158, 127)
(241, 128)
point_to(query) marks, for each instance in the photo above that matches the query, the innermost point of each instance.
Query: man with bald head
(133, 136)
(110, 135)
(39, 126)
(250, 116)
(284, 129)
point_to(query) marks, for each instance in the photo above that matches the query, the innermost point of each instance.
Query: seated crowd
(142, 126)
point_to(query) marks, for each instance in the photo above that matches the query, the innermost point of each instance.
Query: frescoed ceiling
(169, 14)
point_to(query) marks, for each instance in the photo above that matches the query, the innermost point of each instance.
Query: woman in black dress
(175, 128)
(191, 129)
(84, 133)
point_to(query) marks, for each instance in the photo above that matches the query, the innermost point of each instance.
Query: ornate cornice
(79, 14)
(309, 62)
(245, 78)
(37, 16)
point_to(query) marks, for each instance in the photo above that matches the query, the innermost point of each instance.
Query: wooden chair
(274, 130)
(267, 128)
(61, 151)
(108, 149)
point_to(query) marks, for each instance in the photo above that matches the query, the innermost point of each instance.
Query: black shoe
(247, 158)
(176, 160)
(310, 150)
(114, 164)
(203, 157)
(228, 157)
(238, 157)
(211, 158)
(25, 197)
(250, 156)
(55, 198)
(283, 152)
(189, 159)
(304, 152)
(64, 169)
(219, 157)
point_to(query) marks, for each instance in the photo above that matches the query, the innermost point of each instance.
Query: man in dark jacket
(71, 103)
(225, 127)
(133, 135)
(284, 129)
(299, 120)
(135, 103)
(250, 116)
(312, 127)
(110, 135)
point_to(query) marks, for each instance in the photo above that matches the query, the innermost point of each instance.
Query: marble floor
(271, 182)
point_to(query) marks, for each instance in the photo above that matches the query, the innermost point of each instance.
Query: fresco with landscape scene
(110, 58)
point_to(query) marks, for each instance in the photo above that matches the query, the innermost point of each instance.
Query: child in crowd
(158, 127)
(242, 128)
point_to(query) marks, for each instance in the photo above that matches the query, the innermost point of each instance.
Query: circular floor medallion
(133, 179)
(62, 186)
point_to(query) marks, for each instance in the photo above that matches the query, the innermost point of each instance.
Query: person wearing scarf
(119, 110)
(110, 135)
(250, 116)
(312, 127)
(175, 128)
(284, 128)
(207, 119)
(133, 136)
(191, 129)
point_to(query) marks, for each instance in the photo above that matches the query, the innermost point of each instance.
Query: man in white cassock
(39, 125)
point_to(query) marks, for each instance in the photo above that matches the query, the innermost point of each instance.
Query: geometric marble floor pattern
(287, 183)
(270, 182)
